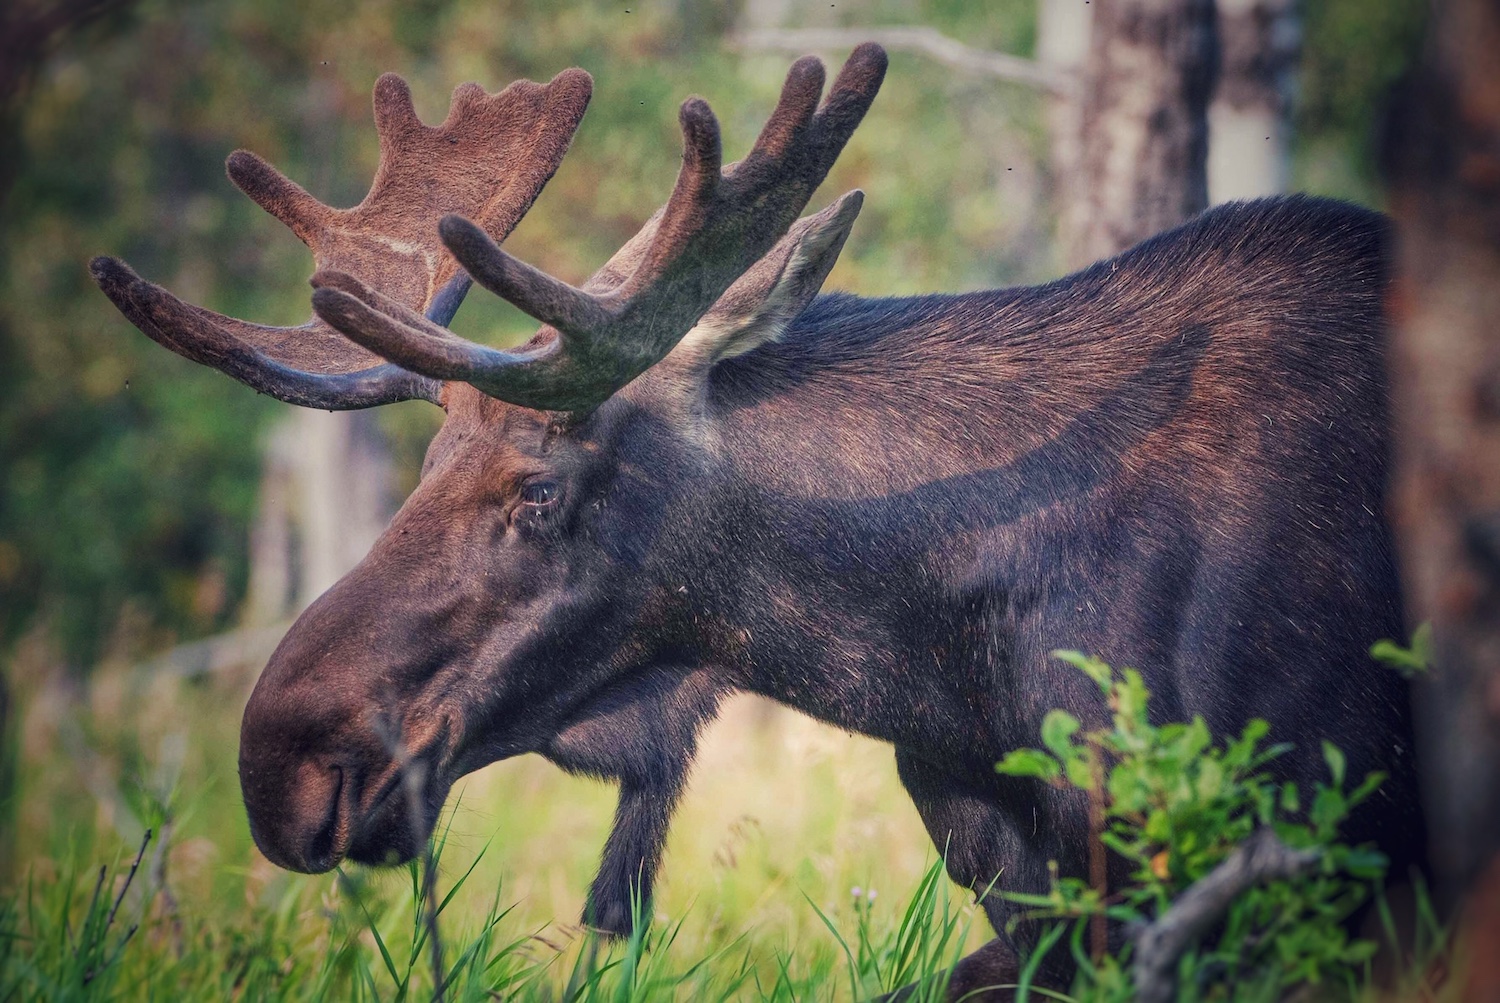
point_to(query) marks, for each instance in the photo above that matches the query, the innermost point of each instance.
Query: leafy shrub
(1175, 805)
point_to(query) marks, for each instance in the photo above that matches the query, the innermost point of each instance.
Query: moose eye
(540, 494)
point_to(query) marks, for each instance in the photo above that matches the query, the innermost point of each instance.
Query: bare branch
(1261, 858)
(248, 646)
(926, 41)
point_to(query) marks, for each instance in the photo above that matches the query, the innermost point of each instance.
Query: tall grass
(783, 818)
(369, 938)
(797, 870)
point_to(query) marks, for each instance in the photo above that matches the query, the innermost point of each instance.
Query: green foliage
(919, 952)
(1353, 53)
(1174, 804)
(1411, 662)
(63, 964)
(374, 940)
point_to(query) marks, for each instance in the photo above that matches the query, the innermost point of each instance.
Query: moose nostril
(299, 823)
(319, 855)
(322, 852)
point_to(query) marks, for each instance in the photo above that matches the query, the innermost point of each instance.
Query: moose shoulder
(701, 476)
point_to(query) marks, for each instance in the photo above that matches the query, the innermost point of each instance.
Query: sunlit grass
(783, 821)
(797, 870)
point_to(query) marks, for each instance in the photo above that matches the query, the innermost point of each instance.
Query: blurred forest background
(159, 524)
(131, 478)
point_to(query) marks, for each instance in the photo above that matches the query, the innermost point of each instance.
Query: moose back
(703, 477)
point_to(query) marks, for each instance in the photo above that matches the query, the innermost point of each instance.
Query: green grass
(783, 820)
(360, 936)
(797, 870)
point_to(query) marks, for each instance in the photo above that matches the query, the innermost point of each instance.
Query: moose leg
(993, 834)
(982, 977)
(631, 855)
(643, 733)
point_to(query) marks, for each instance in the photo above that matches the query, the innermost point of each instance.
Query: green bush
(1175, 805)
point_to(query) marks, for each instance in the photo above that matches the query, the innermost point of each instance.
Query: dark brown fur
(489, 159)
(885, 514)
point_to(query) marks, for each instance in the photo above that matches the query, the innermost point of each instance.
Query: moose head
(536, 591)
(700, 477)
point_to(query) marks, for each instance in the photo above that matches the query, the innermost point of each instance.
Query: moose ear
(763, 301)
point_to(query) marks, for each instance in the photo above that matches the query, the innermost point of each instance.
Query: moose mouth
(378, 820)
(403, 814)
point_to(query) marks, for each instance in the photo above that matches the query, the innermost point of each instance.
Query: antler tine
(489, 159)
(278, 195)
(201, 336)
(404, 337)
(549, 300)
(794, 110)
(853, 90)
(717, 223)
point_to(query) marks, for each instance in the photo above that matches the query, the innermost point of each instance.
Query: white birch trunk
(1249, 121)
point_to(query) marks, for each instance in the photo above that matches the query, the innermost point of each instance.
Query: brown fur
(882, 512)
(489, 159)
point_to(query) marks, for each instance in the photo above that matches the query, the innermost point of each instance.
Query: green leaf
(1030, 763)
(1091, 666)
(1080, 769)
(1334, 757)
(1328, 810)
(1210, 779)
(1058, 728)
(1131, 697)
(1239, 752)
(1158, 827)
(1410, 662)
(1366, 787)
(1366, 863)
(1289, 801)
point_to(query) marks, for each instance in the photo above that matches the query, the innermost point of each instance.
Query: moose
(702, 476)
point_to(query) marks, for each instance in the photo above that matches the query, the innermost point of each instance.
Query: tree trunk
(1249, 121)
(272, 591)
(1145, 128)
(1062, 48)
(1444, 156)
(344, 477)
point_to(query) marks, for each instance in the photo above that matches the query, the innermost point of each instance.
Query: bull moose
(702, 477)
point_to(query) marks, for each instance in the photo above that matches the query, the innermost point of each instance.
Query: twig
(1098, 862)
(927, 41)
(230, 650)
(1261, 858)
(434, 940)
(90, 974)
(135, 865)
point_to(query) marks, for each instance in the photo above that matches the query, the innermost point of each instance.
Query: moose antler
(715, 226)
(488, 159)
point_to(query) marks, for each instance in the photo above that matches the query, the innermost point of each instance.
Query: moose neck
(885, 463)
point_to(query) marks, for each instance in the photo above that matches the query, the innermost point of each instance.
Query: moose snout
(299, 817)
(337, 760)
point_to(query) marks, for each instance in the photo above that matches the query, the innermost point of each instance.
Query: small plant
(1176, 806)
(919, 952)
(1412, 662)
(53, 959)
